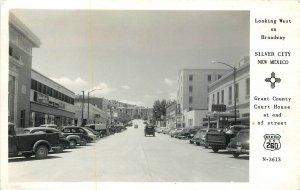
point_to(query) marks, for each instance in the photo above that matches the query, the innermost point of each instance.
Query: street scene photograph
(128, 96)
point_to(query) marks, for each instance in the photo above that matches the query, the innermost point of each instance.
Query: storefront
(50, 103)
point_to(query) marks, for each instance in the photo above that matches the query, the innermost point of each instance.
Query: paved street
(129, 156)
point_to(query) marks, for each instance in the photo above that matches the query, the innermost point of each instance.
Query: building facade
(21, 43)
(50, 102)
(171, 111)
(94, 115)
(192, 91)
(222, 92)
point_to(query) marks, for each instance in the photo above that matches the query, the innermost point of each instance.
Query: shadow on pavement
(22, 159)
(241, 157)
(222, 152)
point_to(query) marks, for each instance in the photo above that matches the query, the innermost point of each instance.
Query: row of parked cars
(234, 138)
(39, 141)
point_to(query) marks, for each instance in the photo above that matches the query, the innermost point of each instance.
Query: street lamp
(88, 115)
(234, 90)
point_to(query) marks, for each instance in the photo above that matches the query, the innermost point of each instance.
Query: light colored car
(91, 134)
(49, 125)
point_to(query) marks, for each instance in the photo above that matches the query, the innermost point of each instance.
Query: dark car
(220, 138)
(239, 144)
(100, 128)
(187, 133)
(73, 130)
(149, 130)
(63, 142)
(30, 144)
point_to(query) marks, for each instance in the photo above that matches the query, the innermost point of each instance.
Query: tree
(159, 109)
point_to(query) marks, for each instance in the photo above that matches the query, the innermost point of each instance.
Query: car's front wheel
(215, 149)
(72, 144)
(84, 142)
(235, 154)
(59, 148)
(41, 152)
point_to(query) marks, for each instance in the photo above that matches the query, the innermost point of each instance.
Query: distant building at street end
(50, 102)
(94, 115)
(171, 111)
(21, 42)
(192, 91)
(221, 92)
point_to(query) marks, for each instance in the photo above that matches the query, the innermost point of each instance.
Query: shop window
(248, 87)
(33, 84)
(22, 119)
(39, 87)
(218, 97)
(230, 95)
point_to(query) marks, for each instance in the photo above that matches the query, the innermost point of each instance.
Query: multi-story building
(171, 111)
(222, 91)
(192, 91)
(21, 43)
(91, 114)
(50, 102)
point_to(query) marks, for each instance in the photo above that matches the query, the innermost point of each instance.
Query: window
(39, 87)
(237, 91)
(213, 102)
(230, 95)
(22, 119)
(218, 97)
(190, 99)
(208, 78)
(190, 88)
(33, 84)
(190, 77)
(222, 97)
(247, 87)
(219, 76)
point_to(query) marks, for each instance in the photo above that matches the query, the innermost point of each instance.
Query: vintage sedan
(149, 130)
(239, 144)
(220, 138)
(78, 131)
(63, 142)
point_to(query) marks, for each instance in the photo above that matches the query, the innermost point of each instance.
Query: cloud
(65, 81)
(148, 96)
(173, 96)
(138, 103)
(169, 81)
(105, 89)
(125, 87)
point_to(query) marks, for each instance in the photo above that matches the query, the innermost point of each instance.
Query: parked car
(120, 128)
(28, 145)
(187, 133)
(49, 125)
(136, 126)
(159, 129)
(172, 132)
(73, 130)
(166, 130)
(220, 138)
(100, 128)
(90, 134)
(63, 142)
(96, 133)
(239, 144)
(149, 130)
(176, 133)
(196, 138)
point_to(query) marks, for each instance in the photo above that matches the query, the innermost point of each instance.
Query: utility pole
(82, 108)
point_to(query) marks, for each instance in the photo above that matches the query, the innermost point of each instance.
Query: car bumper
(238, 150)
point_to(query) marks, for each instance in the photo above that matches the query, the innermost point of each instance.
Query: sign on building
(218, 107)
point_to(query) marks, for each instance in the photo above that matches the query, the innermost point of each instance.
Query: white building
(193, 84)
(222, 91)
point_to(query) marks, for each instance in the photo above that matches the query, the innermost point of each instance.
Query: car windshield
(88, 132)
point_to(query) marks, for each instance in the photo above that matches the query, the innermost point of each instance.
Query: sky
(133, 56)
